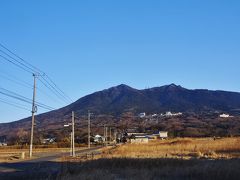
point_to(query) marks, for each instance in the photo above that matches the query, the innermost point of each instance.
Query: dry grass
(180, 148)
(182, 158)
(162, 159)
(9, 154)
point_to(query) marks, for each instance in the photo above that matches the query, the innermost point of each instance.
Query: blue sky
(86, 46)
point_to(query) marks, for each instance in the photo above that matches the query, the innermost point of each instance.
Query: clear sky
(86, 46)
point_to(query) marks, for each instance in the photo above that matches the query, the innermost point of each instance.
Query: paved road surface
(40, 168)
(54, 156)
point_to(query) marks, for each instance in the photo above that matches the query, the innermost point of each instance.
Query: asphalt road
(54, 156)
(45, 167)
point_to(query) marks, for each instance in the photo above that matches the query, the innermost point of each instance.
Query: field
(183, 148)
(13, 154)
(181, 158)
(201, 158)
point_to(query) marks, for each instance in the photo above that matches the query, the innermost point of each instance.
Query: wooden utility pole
(106, 135)
(71, 144)
(115, 136)
(110, 135)
(89, 135)
(73, 139)
(34, 109)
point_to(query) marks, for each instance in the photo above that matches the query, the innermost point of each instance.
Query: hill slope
(123, 98)
(120, 99)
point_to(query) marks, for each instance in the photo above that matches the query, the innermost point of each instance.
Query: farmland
(178, 158)
(182, 158)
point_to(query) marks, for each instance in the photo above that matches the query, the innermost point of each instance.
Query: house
(154, 115)
(224, 116)
(139, 139)
(48, 140)
(142, 115)
(153, 136)
(3, 144)
(169, 114)
(98, 139)
(163, 134)
(129, 134)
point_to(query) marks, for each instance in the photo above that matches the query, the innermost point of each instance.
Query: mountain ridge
(114, 103)
(123, 98)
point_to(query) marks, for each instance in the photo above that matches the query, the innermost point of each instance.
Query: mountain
(124, 99)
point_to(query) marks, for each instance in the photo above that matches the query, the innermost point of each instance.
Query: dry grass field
(181, 158)
(184, 148)
(10, 154)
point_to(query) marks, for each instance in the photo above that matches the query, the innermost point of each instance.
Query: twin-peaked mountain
(121, 99)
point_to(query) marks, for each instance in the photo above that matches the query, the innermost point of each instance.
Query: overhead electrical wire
(22, 98)
(13, 104)
(67, 97)
(16, 64)
(20, 63)
(32, 67)
(52, 89)
(24, 84)
(42, 77)
(17, 81)
(37, 70)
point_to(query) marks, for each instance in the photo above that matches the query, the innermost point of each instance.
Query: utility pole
(110, 134)
(89, 138)
(71, 144)
(73, 140)
(104, 134)
(115, 136)
(34, 109)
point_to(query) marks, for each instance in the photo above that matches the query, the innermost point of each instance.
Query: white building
(3, 144)
(98, 138)
(169, 113)
(142, 115)
(224, 116)
(139, 139)
(163, 134)
(154, 115)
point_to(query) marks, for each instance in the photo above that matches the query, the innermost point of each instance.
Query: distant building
(139, 139)
(169, 114)
(163, 134)
(154, 115)
(153, 136)
(98, 138)
(48, 140)
(129, 134)
(224, 116)
(142, 115)
(3, 144)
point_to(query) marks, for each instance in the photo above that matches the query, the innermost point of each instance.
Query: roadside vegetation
(181, 158)
(184, 148)
(178, 158)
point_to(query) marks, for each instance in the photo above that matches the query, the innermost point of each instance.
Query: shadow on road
(123, 168)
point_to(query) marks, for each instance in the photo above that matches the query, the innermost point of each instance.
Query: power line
(38, 70)
(19, 82)
(24, 65)
(24, 84)
(13, 104)
(22, 98)
(15, 64)
(46, 84)
(59, 89)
